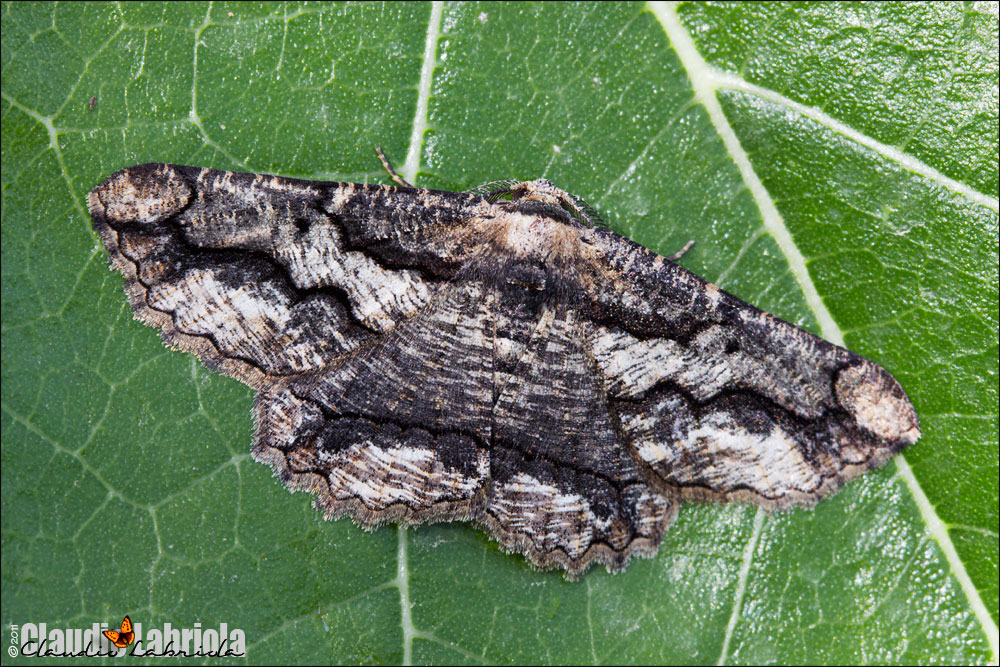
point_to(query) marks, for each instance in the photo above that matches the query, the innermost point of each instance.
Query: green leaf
(836, 164)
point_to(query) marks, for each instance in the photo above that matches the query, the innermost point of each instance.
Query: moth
(489, 356)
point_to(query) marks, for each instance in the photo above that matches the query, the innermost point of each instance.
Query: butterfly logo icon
(124, 637)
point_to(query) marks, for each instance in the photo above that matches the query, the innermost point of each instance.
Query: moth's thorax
(535, 236)
(540, 190)
(536, 224)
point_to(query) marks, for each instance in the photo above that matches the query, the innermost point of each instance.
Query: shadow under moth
(489, 356)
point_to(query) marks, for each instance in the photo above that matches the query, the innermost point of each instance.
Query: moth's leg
(388, 167)
(680, 253)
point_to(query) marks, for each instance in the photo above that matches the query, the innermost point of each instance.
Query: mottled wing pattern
(308, 292)
(425, 355)
(258, 275)
(724, 401)
(479, 407)
(398, 430)
(565, 488)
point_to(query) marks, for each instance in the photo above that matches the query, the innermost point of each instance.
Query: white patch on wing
(651, 509)
(653, 452)
(633, 365)
(412, 475)
(864, 391)
(379, 297)
(143, 200)
(288, 417)
(545, 514)
(251, 321)
(722, 455)
(704, 366)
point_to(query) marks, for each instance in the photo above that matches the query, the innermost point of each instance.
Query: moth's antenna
(680, 253)
(388, 167)
(586, 212)
(494, 190)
